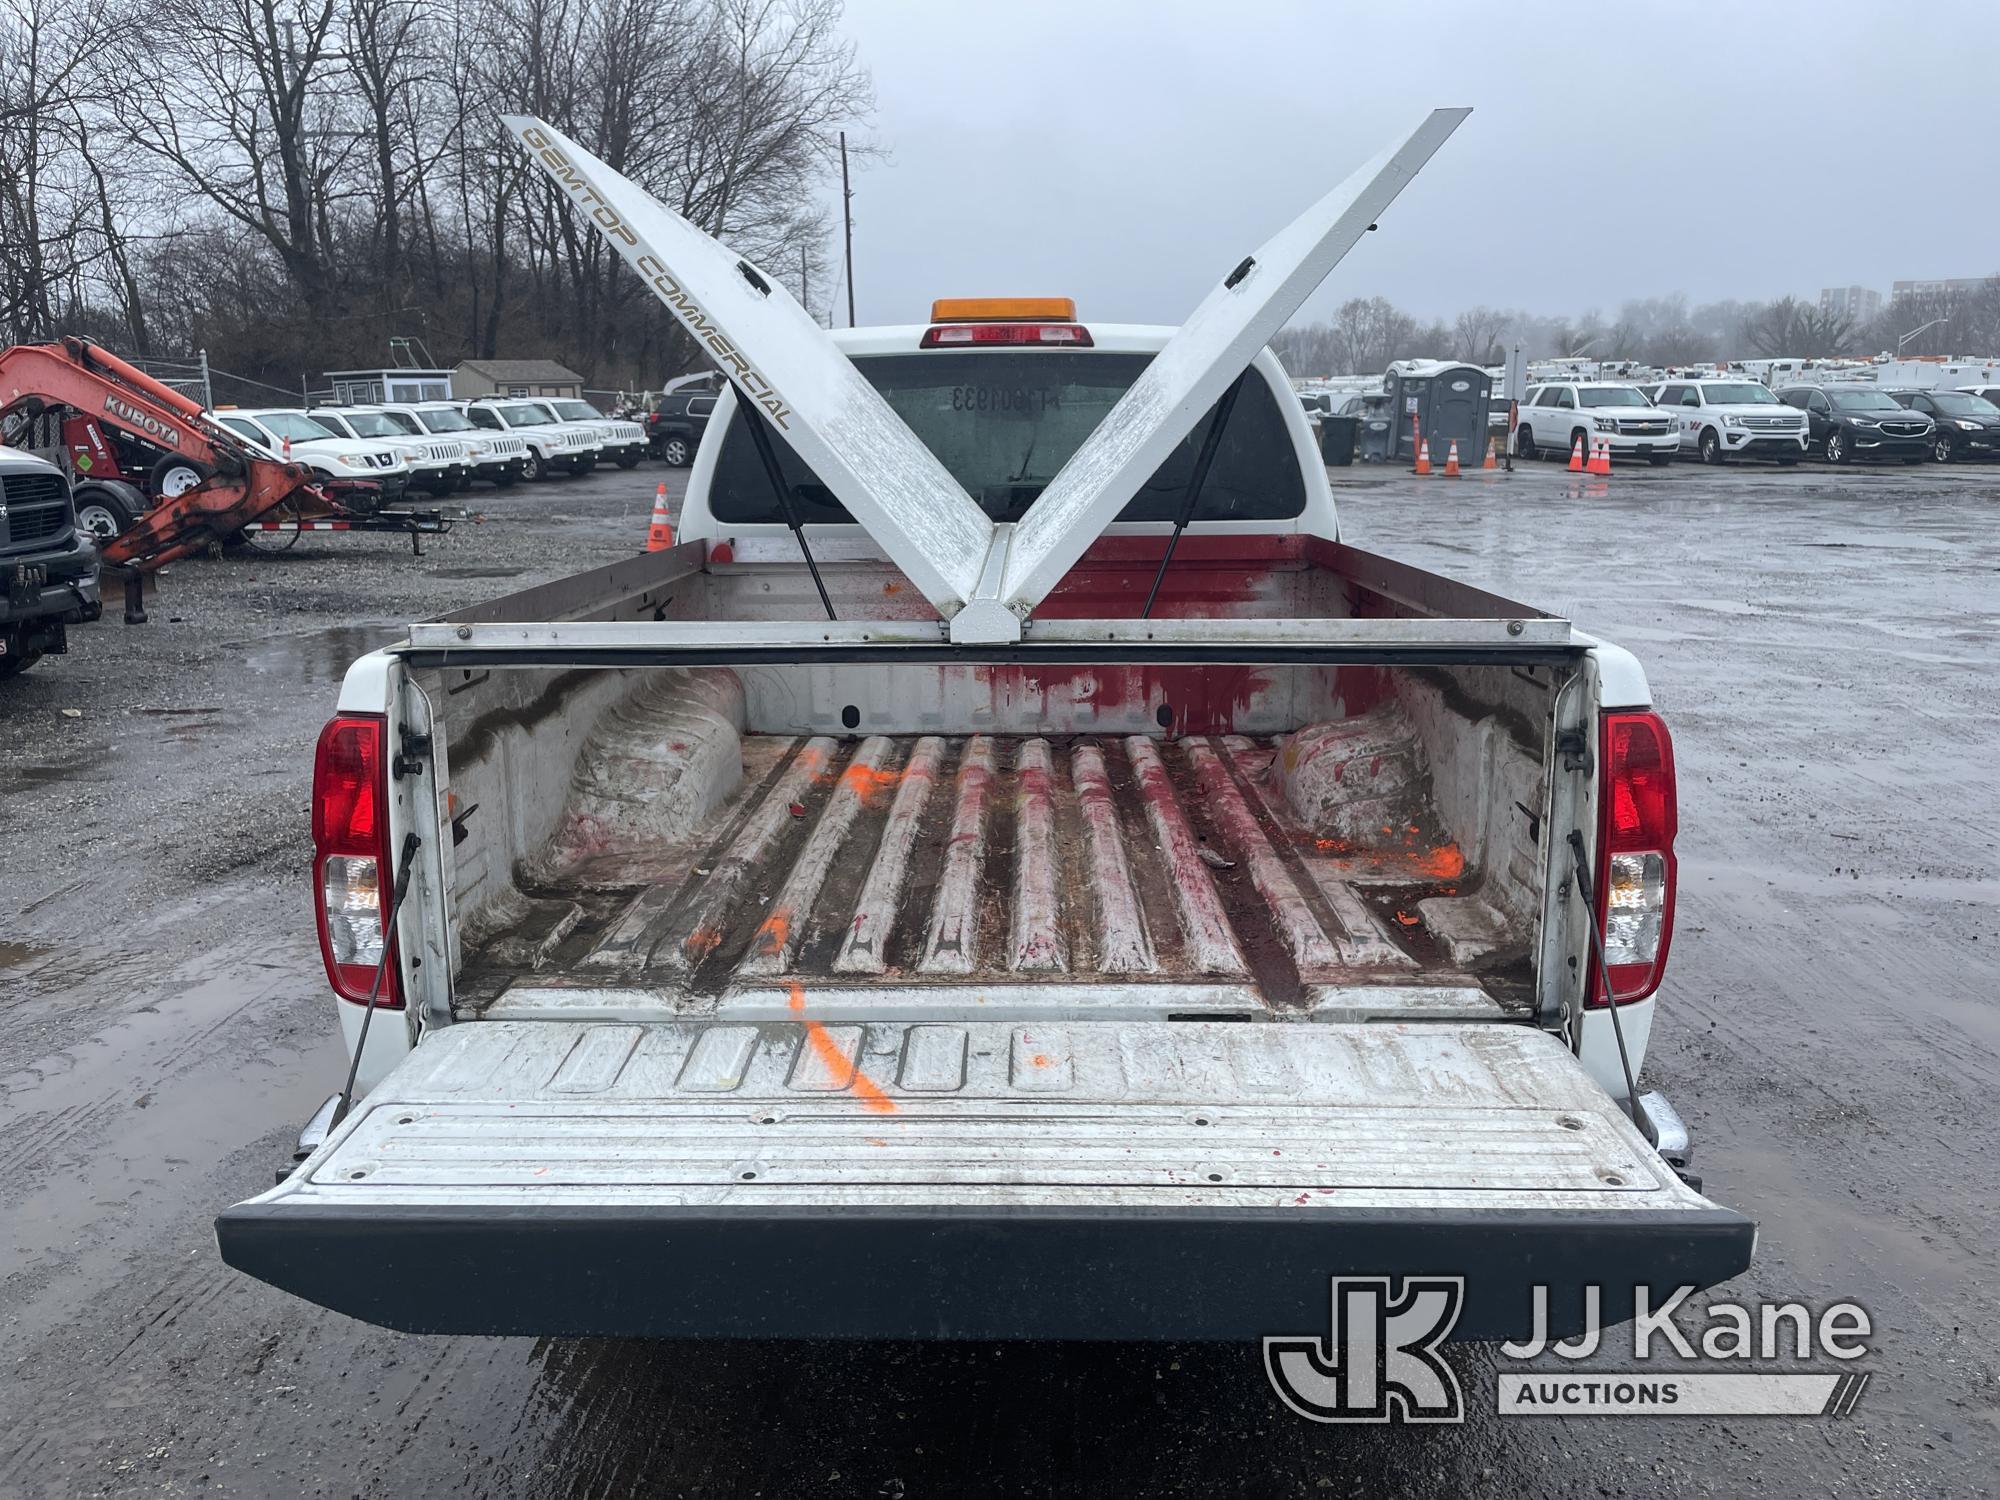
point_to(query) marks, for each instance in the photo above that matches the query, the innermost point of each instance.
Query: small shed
(516, 377)
(389, 383)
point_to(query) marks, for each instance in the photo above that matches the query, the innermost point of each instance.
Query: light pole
(1915, 331)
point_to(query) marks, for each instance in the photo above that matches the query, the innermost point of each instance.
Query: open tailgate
(988, 1180)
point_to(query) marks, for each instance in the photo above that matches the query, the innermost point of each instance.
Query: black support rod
(1191, 497)
(760, 435)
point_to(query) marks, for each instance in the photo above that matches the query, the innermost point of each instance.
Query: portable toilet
(1444, 400)
(1375, 443)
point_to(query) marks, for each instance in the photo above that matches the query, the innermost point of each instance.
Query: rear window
(1004, 423)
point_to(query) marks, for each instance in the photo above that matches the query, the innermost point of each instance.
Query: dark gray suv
(48, 568)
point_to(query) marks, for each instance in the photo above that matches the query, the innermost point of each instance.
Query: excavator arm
(238, 485)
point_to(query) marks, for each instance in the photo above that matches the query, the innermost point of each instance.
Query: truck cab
(48, 563)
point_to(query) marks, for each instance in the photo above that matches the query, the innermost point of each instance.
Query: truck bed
(1000, 873)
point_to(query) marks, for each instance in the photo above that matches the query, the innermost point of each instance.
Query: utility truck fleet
(1010, 870)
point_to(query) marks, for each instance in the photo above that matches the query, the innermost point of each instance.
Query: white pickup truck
(1010, 870)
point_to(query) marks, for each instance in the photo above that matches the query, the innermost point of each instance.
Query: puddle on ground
(476, 572)
(319, 655)
(12, 955)
(76, 767)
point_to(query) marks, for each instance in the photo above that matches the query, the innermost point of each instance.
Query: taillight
(350, 829)
(1636, 826)
(952, 335)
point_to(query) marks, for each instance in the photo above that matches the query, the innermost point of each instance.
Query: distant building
(367, 387)
(1903, 289)
(1858, 304)
(516, 377)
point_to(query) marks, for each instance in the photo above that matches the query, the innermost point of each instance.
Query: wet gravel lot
(1822, 644)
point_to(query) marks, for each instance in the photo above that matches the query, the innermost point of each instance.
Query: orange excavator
(183, 480)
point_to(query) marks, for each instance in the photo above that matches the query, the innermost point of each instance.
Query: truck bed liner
(1023, 866)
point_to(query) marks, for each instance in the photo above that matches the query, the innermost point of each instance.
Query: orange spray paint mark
(774, 930)
(869, 783)
(702, 942)
(827, 1050)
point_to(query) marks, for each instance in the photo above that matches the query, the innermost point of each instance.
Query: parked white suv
(500, 457)
(1555, 415)
(1721, 419)
(437, 466)
(552, 446)
(290, 434)
(624, 443)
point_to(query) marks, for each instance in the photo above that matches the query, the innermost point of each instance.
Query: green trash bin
(1337, 437)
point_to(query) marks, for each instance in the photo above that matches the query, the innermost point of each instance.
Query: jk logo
(1381, 1363)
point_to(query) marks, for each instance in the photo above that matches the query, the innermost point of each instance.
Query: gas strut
(760, 436)
(1191, 496)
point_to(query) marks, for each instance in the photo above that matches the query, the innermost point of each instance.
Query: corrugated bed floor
(935, 860)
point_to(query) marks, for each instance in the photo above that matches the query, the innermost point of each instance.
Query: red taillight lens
(954, 335)
(350, 828)
(1635, 865)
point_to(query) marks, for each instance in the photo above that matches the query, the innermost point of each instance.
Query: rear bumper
(991, 1273)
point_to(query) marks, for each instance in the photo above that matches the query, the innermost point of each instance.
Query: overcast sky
(1130, 153)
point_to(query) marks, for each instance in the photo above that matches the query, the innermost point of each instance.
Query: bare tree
(1476, 334)
(233, 97)
(50, 54)
(1790, 326)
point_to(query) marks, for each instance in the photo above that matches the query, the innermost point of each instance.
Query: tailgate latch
(412, 748)
(1574, 747)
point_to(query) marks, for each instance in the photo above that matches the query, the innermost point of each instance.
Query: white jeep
(624, 443)
(438, 466)
(551, 445)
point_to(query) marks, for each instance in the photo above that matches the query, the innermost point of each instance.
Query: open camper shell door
(984, 579)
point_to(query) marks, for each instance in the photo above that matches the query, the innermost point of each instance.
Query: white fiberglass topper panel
(1201, 360)
(786, 365)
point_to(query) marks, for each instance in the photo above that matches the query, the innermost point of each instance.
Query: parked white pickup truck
(1011, 870)
(294, 435)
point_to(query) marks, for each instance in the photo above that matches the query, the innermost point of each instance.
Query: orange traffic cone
(1423, 457)
(660, 535)
(1600, 459)
(1576, 455)
(1492, 462)
(1451, 461)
